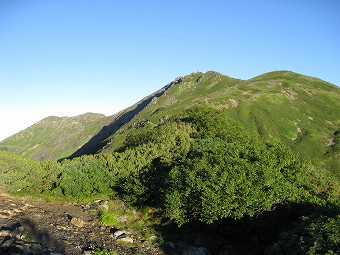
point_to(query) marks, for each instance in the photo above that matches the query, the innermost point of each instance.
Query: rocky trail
(31, 226)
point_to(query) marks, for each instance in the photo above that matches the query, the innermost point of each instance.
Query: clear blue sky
(64, 57)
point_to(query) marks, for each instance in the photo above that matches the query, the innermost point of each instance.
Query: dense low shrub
(310, 235)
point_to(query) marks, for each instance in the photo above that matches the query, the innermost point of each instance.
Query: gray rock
(120, 233)
(122, 236)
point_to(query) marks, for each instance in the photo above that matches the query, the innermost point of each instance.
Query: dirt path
(51, 224)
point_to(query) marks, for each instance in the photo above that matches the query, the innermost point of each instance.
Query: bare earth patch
(66, 228)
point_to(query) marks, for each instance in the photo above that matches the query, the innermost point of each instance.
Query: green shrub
(84, 176)
(311, 235)
(220, 180)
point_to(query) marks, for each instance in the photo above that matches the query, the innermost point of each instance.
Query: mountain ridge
(298, 109)
(54, 137)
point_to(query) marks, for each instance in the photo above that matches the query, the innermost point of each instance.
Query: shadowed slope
(99, 141)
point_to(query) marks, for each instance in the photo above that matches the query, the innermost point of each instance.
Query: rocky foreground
(29, 226)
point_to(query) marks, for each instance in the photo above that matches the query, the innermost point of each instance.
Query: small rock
(119, 233)
(126, 239)
(77, 222)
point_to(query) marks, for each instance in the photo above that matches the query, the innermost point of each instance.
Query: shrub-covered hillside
(199, 166)
(301, 111)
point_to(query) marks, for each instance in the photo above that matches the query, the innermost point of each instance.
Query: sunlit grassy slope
(302, 111)
(55, 137)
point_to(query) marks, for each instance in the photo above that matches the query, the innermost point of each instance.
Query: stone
(122, 236)
(196, 251)
(77, 222)
(126, 239)
(119, 233)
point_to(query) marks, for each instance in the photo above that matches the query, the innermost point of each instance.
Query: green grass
(55, 137)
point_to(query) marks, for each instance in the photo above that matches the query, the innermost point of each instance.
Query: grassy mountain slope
(300, 110)
(55, 137)
(203, 153)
